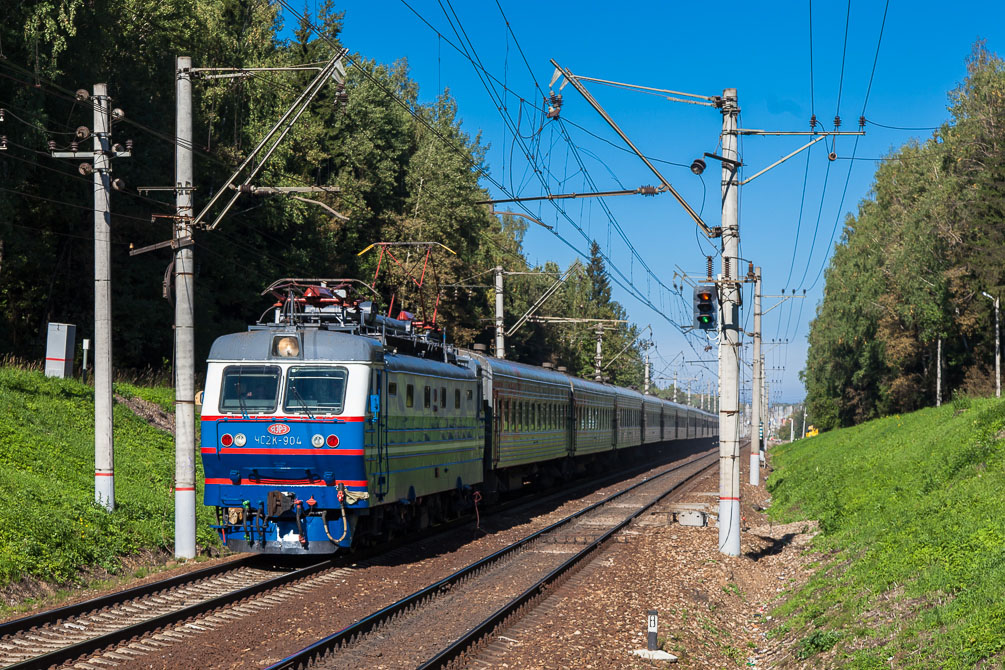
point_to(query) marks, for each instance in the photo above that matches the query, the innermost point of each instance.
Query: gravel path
(712, 608)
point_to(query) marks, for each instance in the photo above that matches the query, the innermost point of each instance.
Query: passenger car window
(426, 396)
(457, 398)
(409, 395)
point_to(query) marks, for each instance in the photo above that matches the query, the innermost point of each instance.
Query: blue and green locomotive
(331, 425)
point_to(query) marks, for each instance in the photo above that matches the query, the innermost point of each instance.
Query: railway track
(64, 634)
(437, 625)
(123, 627)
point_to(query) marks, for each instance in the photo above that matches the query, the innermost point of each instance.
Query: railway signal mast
(728, 281)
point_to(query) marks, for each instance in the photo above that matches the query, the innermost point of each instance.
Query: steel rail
(369, 623)
(113, 638)
(459, 647)
(76, 609)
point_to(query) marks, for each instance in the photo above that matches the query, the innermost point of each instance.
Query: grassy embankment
(912, 509)
(50, 528)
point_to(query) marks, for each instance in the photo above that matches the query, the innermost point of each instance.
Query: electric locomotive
(329, 424)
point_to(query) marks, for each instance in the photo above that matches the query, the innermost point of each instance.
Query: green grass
(50, 528)
(912, 509)
(163, 396)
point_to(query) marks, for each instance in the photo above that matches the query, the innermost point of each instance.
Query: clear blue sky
(762, 50)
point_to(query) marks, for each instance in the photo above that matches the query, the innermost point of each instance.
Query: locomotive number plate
(278, 440)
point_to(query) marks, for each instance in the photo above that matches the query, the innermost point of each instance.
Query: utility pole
(101, 169)
(104, 448)
(804, 418)
(184, 318)
(757, 432)
(675, 386)
(599, 356)
(181, 243)
(998, 355)
(500, 334)
(792, 428)
(645, 383)
(763, 416)
(729, 354)
(767, 409)
(688, 392)
(938, 375)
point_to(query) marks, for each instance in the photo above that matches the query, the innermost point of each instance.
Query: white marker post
(653, 627)
(652, 651)
(83, 368)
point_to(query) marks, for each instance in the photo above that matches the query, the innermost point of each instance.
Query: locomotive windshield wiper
(303, 405)
(240, 395)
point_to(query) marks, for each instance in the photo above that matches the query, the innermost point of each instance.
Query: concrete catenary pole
(675, 386)
(184, 320)
(792, 427)
(757, 441)
(599, 357)
(500, 331)
(804, 418)
(104, 453)
(763, 417)
(729, 340)
(998, 354)
(767, 409)
(645, 383)
(938, 375)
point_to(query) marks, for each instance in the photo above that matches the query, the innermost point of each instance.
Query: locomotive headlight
(318, 441)
(240, 440)
(287, 347)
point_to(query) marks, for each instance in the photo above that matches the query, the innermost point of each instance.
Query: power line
(812, 97)
(881, 125)
(844, 51)
(799, 221)
(875, 59)
(68, 204)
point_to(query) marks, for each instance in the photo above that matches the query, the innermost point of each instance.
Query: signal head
(705, 306)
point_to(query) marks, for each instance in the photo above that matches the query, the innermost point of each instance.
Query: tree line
(912, 265)
(404, 171)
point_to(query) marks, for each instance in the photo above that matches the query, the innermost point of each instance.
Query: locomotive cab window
(318, 390)
(249, 389)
